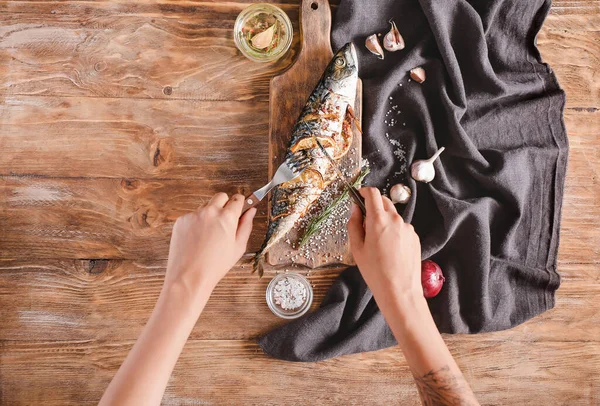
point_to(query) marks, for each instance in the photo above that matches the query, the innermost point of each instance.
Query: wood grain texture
(112, 299)
(134, 138)
(571, 45)
(117, 116)
(579, 6)
(131, 218)
(185, 50)
(519, 373)
(172, 50)
(100, 218)
(583, 7)
(301, 79)
(581, 204)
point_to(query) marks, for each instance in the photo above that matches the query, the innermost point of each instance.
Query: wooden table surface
(116, 117)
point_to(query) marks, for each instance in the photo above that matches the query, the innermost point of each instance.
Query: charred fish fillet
(328, 116)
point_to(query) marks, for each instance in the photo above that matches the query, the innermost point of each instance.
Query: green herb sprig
(317, 221)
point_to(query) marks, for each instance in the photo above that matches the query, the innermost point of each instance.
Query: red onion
(432, 278)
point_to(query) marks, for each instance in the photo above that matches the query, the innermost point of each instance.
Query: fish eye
(340, 62)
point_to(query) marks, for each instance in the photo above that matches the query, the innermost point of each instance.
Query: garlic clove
(418, 74)
(400, 193)
(263, 39)
(423, 170)
(393, 41)
(372, 44)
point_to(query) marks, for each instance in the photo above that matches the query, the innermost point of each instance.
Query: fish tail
(259, 258)
(258, 264)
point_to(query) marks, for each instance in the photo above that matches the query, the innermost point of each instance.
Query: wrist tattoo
(443, 387)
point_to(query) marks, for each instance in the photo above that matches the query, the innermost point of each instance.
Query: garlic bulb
(400, 193)
(423, 170)
(393, 41)
(372, 44)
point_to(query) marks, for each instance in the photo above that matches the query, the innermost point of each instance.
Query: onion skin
(432, 278)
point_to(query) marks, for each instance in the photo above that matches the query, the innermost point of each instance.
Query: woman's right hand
(388, 254)
(385, 248)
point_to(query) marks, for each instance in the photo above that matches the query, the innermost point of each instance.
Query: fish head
(341, 74)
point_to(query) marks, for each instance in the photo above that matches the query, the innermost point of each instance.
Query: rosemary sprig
(318, 220)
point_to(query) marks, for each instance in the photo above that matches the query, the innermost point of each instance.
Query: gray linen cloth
(491, 216)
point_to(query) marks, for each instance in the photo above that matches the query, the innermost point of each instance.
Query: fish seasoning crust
(327, 116)
(289, 294)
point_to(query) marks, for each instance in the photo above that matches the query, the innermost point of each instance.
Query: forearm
(438, 377)
(144, 375)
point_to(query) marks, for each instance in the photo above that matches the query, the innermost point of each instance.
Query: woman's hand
(387, 250)
(388, 254)
(207, 243)
(204, 246)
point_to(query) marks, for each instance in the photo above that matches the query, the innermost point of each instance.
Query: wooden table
(116, 117)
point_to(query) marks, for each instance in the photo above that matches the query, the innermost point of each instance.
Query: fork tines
(299, 160)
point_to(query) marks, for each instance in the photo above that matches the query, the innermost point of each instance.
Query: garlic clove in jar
(400, 193)
(423, 170)
(263, 39)
(372, 44)
(393, 41)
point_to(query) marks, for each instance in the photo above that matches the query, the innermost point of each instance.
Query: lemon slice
(308, 177)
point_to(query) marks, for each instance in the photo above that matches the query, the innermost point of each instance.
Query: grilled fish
(328, 116)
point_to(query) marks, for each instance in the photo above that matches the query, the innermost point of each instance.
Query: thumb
(245, 226)
(356, 229)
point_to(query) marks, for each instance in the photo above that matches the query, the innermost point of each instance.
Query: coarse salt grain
(289, 294)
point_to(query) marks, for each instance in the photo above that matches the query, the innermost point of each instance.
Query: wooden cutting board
(288, 94)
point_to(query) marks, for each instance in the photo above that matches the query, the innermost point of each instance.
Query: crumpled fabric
(491, 216)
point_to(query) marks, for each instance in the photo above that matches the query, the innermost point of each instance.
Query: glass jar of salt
(289, 295)
(263, 32)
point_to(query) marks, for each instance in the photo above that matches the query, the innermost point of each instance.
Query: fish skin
(323, 116)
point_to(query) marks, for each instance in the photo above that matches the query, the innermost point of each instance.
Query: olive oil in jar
(263, 32)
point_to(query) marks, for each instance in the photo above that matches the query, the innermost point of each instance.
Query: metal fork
(290, 169)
